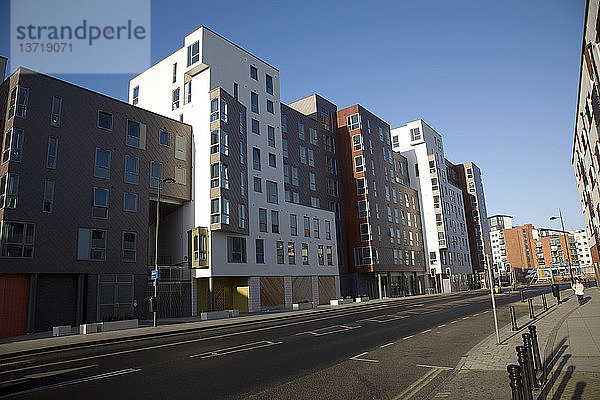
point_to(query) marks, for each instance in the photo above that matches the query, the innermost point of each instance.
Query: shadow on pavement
(579, 387)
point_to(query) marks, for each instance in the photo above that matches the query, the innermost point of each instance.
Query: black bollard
(531, 311)
(544, 302)
(522, 356)
(530, 368)
(513, 318)
(522, 296)
(536, 350)
(516, 383)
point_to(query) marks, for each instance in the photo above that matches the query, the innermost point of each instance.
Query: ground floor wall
(391, 284)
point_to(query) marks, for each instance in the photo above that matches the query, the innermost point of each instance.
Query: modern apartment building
(256, 242)
(521, 249)
(471, 184)
(497, 225)
(583, 249)
(382, 217)
(586, 144)
(447, 249)
(78, 191)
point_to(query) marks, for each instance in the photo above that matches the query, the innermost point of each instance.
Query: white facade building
(583, 249)
(202, 84)
(497, 225)
(442, 208)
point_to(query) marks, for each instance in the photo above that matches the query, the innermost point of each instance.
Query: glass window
(242, 218)
(193, 53)
(9, 190)
(311, 157)
(130, 202)
(180, 147)
(262, 220)
(136, 95)
(312, 179)
(270, 106)
(187, 89)
(316, 228)
(19, 97)
(269, 83)
(91, 244)
(175, 99)
(256, 159)
(235, 90)
(293, 225)
(291, 253)
(283, 123)
(321, 254)
(52, 152)
(260, 251)
(48, 205)
(306, 226)
(215, 211)
(353, 122)
(329, 255)
(280, 256)
(363, 209)
(272, 196)
(102, 165)
(236, 249)
(255, 127)
(257, 184)
(253, 72)
(13, 145)
(272, 160)
(284, 145)
(301, 130)
(328, 230)
(55, 111)
(164, 138)
(131, 169)
(305, 253)
(295, 176)
(128, 246)
(358, 164)
(254, 102)
(274, 221)
(303, 154)
(174, 72)
(16, 239)
(224, 176)
(271, 134)
(242, 122)
(214, 175)
(314, 139)
(224, 211)
(156, 174)
(133, 134)
(100, 204)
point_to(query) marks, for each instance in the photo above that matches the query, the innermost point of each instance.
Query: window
(136, 95)
(13, 145)
(105, 120)
(365, 232)
(242, 184)
(91, 244)
(215, 211)
(242, 122)
(100, 204)
(325, 120)
(256, 159)
(272, 160)
(254, 102)
(274, 221)
(255, 127)
(357, 143)
(187, 92)
(315, 202)
(133, 134)
(362, 256)
(180, 175)
(316, 228)
(16, 239)
(269, 83)
(353, 122)
(306, 226)
(303, 154)
(102, 164)
(235, 90)
(305, 253)
(257, 184)
(130, 202)
(155, 174)
(330, 143)
(270, 106)
(164, 138)
(9, 190)
(291, 253)
(321, 254)
(311, 157)
(224, 143)
(55, 111)
(128, 252)
(180, 147)
(131, 169)
(242, 216)
(175, 99)
(296, 197)
(396, 218)
(280, 259)
(262, 220)
(284, 145)
(361, 186)
(236, 249)
(314, 139)
(271, 136)
(18, 102)
(193, 53)
(224, 211)
(216, 113)
(224, 176)
(293, 225)
(283, 123)
(301, 130)
(329, 255)
(174, 72)
(358, 164)
(272, 192)
(52, 152)
(363, 209)
(295, 176)
(415, 134)
(214, 175)
(387, 193)
(214, 141)
(260, 251)
(48, 204)
(313, 185)
(253, 72)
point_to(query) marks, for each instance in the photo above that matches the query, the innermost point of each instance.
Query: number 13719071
(34, 47)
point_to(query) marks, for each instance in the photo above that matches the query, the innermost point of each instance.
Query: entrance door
(240, 299)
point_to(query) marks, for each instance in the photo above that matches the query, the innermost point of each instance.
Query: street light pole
(493, 298)
(566, 242)
(155, 283)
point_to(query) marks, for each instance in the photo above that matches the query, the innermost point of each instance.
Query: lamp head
(168, 180)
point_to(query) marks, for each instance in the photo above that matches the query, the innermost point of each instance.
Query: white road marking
(388, 319)
(466, 318)
(408, 337)
(386, 345)
(453, 322)
(340, 328)
(357, 358)
(434, 367)
(416, 305)
(441, 326)
(17, 362)
(417, 385)
(58, 372)
(428, 330)
(75, 381)
(236, 349)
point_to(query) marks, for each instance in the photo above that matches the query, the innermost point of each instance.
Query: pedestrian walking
(578, 289)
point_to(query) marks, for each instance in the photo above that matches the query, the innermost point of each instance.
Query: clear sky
(497, 79)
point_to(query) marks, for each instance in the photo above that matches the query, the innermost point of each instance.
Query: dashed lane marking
(386, 345)
(408, 337)
(425, 331)
(441, 326)
(236, 349)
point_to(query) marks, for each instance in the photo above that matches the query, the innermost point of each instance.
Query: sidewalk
(569, 340)
(44, 341)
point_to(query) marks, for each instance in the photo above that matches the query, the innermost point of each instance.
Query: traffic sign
(154, 275)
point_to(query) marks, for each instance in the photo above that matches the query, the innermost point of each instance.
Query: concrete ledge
(337, 302)
(233, 313)
(205, 316)
(362, 299)
(85, 329)
(62, 330)
(118, 325)
(302, 306)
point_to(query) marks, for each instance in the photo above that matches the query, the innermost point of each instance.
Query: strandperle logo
(85, 31)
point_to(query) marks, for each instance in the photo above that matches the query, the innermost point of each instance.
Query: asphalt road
(397, 349)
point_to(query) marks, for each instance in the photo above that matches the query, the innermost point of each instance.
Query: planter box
(233, 313)
(205, 316)
(302, 306)
(337, 302)
(85, 329)
(362, 299)
(62, 330)
(118, 325)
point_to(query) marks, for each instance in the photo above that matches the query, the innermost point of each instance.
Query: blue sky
(498, 80)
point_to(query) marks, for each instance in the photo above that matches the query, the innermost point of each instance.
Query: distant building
(586, 144)
(497, 225)
(521, 251)
(583, 248)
